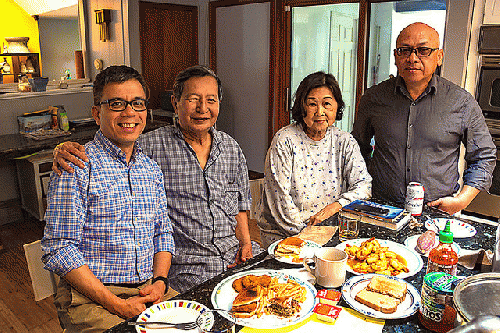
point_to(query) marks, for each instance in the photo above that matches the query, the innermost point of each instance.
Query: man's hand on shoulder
(68, 151)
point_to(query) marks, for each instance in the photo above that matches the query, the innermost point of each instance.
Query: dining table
(484, 238)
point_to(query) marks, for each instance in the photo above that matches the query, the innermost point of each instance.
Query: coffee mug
(331, 265)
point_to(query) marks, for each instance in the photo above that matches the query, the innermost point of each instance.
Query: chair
(256, 188)
(44, 282)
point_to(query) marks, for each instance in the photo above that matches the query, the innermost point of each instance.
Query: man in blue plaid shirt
(206, 180)
(108, 234)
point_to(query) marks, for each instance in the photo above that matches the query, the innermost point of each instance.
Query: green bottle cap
(446, 236)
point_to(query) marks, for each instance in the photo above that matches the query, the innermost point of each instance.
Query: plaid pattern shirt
(202, 203)
(111, 216)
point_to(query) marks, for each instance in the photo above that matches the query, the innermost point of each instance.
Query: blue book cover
(383, 212)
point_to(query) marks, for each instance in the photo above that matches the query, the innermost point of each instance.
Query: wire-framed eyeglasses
(419, 51)
(119, 104)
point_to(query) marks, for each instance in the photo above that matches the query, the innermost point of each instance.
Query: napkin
(471, 258)
(348, 321)
(318, 234)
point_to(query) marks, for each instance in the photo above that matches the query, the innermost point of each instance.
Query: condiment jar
(443, 258)
(436, 310)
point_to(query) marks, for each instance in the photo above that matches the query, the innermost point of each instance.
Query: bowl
(38, 83)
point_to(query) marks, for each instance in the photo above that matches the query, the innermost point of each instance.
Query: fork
(180, 326)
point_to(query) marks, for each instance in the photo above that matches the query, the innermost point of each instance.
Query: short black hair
(195, 71)
(310, 82)
(115, 74)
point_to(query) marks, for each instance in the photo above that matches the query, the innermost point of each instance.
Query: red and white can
(414, 198)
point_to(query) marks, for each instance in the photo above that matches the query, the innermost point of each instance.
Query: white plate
(413, 260)
(223, 297)
(458, 228)
(174, 312)
(307, 251)
(411, 243)
(405, 309)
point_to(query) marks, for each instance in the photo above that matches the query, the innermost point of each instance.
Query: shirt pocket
(231, 199)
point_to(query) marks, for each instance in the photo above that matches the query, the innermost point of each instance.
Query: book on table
(386, 216)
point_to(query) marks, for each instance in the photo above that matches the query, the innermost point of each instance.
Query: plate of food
(459, 228)
(292, 250)
(380, 256)
(413, 241)
(175, 312)
(380, 296)
(265, 298)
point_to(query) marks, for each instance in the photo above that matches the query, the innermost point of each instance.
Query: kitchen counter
(484, 238)
(16, 145)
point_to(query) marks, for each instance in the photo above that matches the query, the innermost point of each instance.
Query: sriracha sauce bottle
(443, 258)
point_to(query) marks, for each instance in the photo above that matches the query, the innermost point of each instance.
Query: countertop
(16, 145)
(485, 238)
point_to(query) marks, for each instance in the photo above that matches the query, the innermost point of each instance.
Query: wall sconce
(103, 17)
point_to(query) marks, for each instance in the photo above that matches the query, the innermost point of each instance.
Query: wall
(243, 66)
(16, 22)
(59, 39)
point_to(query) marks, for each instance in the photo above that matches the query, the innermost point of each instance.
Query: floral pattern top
(302, 176)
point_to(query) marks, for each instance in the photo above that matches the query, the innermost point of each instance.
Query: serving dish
(307, 252)
(405, 309)
(175, 312)
(413, 260)
(459, 228)
(223, 296)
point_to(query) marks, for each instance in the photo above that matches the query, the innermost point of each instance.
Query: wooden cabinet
(16, 61)
(34, 176)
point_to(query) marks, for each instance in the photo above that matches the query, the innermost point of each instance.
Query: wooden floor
(18, 310)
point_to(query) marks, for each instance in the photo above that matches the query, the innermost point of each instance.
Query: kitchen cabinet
(16, 61)
(491, 12)
(34, 177)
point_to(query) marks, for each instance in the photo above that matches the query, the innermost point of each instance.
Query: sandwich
(376, 301)
(289, 247)
(382, 285)
(248, 302)
(283, 306)
(383, 294)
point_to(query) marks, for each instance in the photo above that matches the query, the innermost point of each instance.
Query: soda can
(414, 198)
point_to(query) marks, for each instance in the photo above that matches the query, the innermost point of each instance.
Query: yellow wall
(16, 22)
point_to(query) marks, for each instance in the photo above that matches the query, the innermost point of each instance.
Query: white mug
(331, 265)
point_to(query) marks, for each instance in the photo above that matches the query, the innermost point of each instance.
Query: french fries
(371, 257)
(271, 288)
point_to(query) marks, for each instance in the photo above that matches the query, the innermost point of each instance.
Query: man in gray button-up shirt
(418, 120)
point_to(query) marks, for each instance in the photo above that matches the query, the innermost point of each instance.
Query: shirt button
(411, 125)
(413, 104)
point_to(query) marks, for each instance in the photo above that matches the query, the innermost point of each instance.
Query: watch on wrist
(161, 278)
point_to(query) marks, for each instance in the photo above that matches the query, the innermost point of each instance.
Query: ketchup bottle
(443, 258)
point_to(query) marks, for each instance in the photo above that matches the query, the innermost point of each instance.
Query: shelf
(17, 59)
(16, 54)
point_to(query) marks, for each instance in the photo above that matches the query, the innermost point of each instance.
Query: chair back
(44, 282)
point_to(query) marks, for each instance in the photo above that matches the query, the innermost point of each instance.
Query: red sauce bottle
(443, 258)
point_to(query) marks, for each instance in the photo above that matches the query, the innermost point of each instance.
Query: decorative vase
(17, 44)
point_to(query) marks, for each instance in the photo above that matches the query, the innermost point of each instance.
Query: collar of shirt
(400, 87)
(113, 150)
(216, 136)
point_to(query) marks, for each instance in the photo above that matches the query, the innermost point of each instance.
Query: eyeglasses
(118, 104)
(419, 51)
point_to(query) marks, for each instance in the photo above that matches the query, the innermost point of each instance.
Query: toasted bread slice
(386, 286)
(376, 301)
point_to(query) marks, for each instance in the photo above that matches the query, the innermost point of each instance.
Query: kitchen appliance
(488, 89)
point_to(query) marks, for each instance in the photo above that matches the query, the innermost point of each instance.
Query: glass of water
(348, 226)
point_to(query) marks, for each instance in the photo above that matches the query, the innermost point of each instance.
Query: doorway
(169, 44)
(324, 38)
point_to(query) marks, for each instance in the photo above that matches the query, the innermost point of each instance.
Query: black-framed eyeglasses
(119, 104)
(419, 51)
